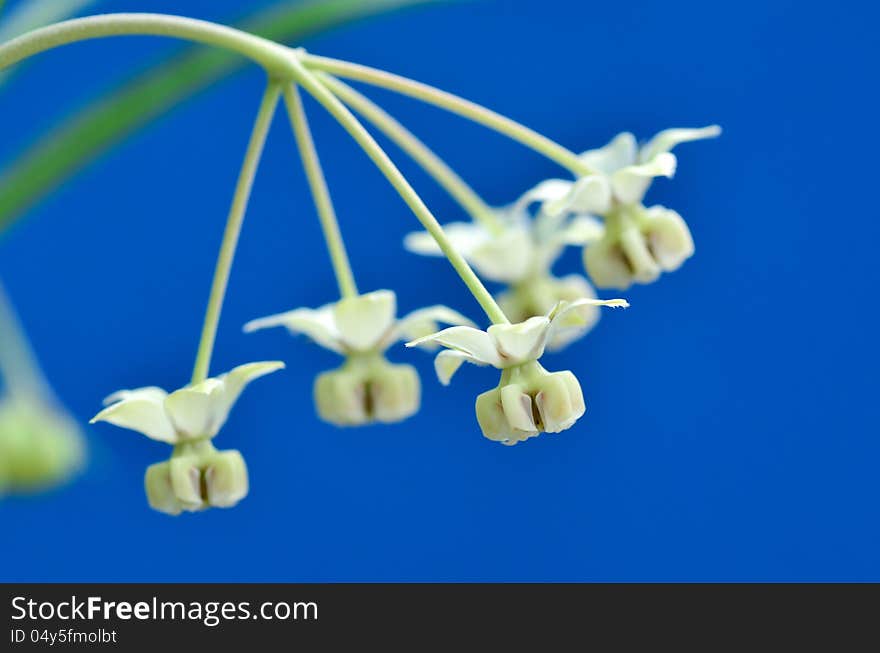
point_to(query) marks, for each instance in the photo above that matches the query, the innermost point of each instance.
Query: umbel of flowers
(599, 209)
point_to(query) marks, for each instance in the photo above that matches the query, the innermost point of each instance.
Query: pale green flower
(197, 476)
(40, 446)
(529, 400)
(366, 388)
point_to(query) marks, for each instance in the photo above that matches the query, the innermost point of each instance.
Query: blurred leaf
(80, 139)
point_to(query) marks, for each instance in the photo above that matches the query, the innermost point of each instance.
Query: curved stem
(233, 229)
(18, 365)
(528, 137)
(469, 200)
(273, 57)
(363, 138)
(321, 195)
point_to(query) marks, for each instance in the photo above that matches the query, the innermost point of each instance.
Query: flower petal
(196, 410)
(590, 194)
(363, 320)
(580, 230)
(423, 322)
(579, 311)
(667, 139)
(464, 236)
(524, 341)
(621, 151)
(316, 324)
(506, 257)
(141, 410)
(448, 361)
(477, 344)
(235, 381)
(549, 190)
(631, 183)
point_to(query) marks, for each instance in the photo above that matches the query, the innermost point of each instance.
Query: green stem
(469, 200)
(273, 57)
(321, 195)
(233, 229)
(18, 365)
(363, 138)
(528, 137)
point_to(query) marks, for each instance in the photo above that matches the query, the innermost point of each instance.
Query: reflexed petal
(520, 342)
(317, 324)
(363, 320)
(549, 190)
(577, 310)
(464, 236)
(195, 411)
(667, 139)
(668, 236)
(425, 321)
(580, 230)
(448, 361)
(506, 257)
(631, 183)
(621, 151)
(235, 381)
(590, 194)
(477, 344)
(141, 410)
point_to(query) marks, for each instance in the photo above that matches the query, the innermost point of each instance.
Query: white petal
(580, 230)
(667, 139)
(464, 236)
(362, 321)
(506, 257)
(590, 194)
(473, 342)
(579, 310)
(448, 361)
(631, 183)
(317, 324)
(424, 321)
(196, 410)
(517, 343)
(621, 151)
(235, 381)
(141, 410)
(549, 190)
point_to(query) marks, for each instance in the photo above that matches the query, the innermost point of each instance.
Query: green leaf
(90, 132)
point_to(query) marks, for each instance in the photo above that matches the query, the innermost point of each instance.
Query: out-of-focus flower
(529, 400)
(366, 388)
(40, 446)
(197, 476)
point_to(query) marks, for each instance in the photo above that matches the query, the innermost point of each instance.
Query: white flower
(639, 245)
(506, 345)
(196, 480)
(623, 171)
(195, 412)
(363, 324)
(517, 248)
(366, 388)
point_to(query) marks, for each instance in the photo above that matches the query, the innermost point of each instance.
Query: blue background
(731, 431)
